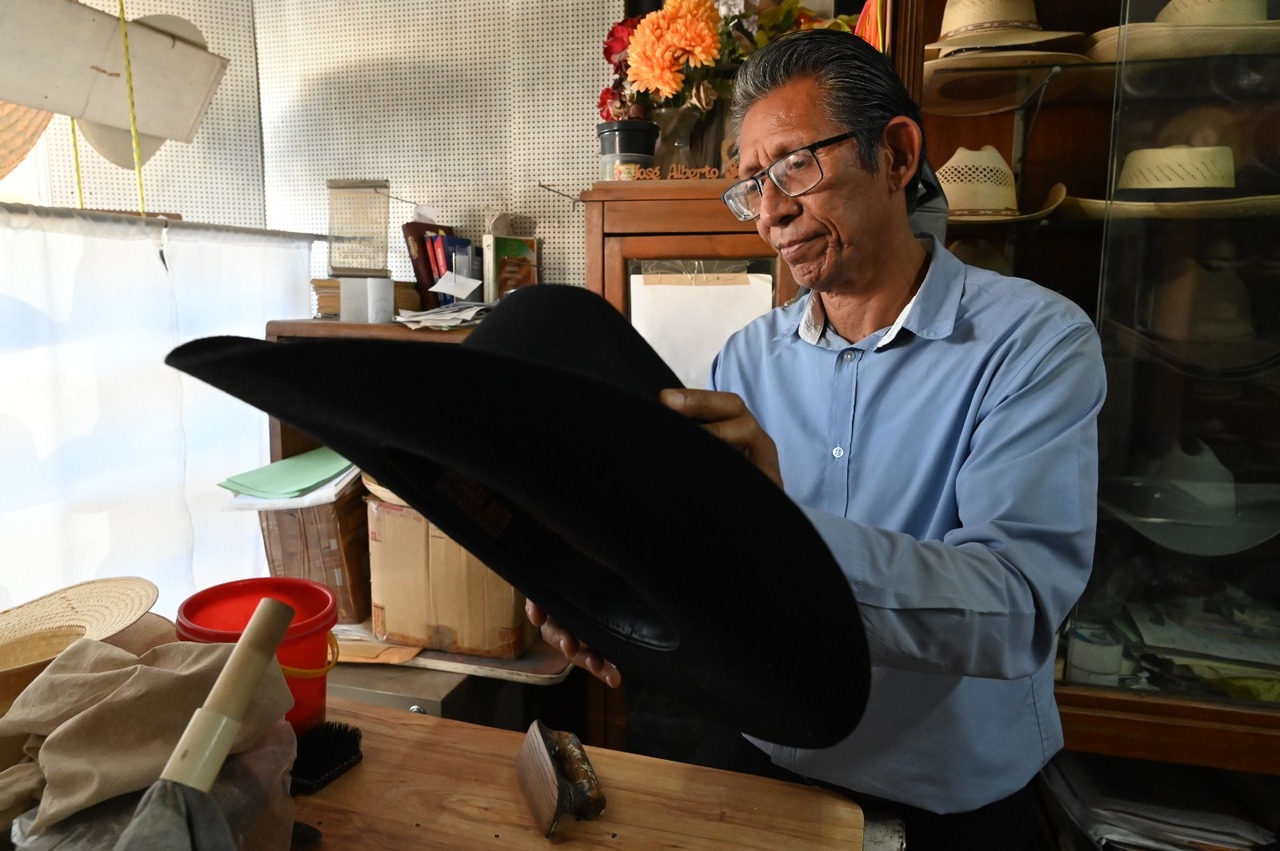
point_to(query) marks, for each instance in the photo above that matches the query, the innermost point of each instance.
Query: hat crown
(966, 16)
(1178, 167)
(1213, 12)
(979, 182)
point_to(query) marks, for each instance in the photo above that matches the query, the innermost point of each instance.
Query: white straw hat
(1186, 28)
(991, 23)
(1178, 167)
(1163, 177)
(980, 188)
(1189, 502)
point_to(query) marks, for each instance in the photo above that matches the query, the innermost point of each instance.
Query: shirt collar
(931, 313)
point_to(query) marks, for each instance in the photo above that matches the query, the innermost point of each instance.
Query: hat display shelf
(1144, 155)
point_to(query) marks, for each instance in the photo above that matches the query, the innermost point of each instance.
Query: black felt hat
(539, 445)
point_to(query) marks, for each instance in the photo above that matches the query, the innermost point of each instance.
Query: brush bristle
(325, 752)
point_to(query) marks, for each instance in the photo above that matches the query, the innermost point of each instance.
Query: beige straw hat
(991, 23)
(33, 633)
(1175, 171)
(20, 129)
(979, 186)
(1186, 28)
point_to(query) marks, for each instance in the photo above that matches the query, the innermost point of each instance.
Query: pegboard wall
(215, 179)
(463, 107)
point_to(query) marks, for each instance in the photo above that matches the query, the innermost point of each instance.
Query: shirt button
(837, 452)
(848, 356)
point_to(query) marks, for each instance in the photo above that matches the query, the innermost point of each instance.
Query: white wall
(462, 106)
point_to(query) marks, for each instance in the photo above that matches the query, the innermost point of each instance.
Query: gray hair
(862, 90)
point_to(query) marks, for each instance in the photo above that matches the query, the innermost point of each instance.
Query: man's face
(834, 236)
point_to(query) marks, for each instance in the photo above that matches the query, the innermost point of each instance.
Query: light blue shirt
(950, 463)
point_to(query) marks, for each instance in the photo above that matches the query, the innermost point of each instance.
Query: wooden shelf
(279, 329)
(1231, 736)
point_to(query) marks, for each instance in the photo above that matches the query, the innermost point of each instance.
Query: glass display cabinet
(1163, 121)
(1181, 619)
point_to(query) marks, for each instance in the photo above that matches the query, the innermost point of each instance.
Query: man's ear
(901, 150)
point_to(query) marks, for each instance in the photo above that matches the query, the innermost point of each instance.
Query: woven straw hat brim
(1222, 208)
(1182, 41)
(1001, 37)
(20, 129)
(39, 630)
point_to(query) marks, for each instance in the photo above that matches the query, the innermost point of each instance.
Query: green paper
(289, 477)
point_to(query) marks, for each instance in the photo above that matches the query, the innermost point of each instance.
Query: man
(937, 423)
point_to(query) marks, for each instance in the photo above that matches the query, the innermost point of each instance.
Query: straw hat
(980, 188)
(20, 129)
(1185, 28)
(33, 633)
(1189, 502)
(1156, 182)
(991, 23)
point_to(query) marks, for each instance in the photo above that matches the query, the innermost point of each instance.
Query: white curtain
(109, 460)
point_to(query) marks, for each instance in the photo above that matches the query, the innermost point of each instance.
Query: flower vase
(674, 155)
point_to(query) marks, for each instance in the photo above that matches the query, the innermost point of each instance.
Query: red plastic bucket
(306, 654)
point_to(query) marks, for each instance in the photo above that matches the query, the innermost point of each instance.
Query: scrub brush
(325, 752)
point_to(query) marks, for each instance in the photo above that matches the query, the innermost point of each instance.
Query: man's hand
(726, 416)
(573, 649)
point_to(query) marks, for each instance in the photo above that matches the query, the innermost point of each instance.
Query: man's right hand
(573, 649)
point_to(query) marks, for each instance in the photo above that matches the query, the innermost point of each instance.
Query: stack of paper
(1133, 805)
(456, 315)
(301, 481)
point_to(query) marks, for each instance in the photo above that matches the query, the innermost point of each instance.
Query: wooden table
(428, 782)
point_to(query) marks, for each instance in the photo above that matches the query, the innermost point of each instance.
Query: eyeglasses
(794, 174)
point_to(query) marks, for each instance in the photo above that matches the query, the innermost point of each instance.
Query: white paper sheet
(687, 318)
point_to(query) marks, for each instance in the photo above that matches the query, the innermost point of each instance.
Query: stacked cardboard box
(427, 591)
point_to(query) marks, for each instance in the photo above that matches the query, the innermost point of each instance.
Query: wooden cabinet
(666, 220)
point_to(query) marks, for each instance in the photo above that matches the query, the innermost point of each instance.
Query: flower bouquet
(675, 65)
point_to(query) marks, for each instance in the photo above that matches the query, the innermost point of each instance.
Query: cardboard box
(328, 544)
(430, 592)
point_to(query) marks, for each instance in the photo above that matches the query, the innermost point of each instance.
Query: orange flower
(683, 34)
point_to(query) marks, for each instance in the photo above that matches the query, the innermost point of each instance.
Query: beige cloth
(100, 722)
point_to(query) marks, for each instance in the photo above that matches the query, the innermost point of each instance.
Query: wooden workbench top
(428, 782)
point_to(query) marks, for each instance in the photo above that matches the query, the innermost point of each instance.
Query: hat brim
(20, 128)
(1237, 359)
(33, 633)
(1057, 193)
(655, 543)
(1008, 37)
(1257, 521)
(984, 83)
(1182, 41)
(1215, 208)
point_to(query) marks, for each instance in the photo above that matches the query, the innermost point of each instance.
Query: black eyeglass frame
(758, 177)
